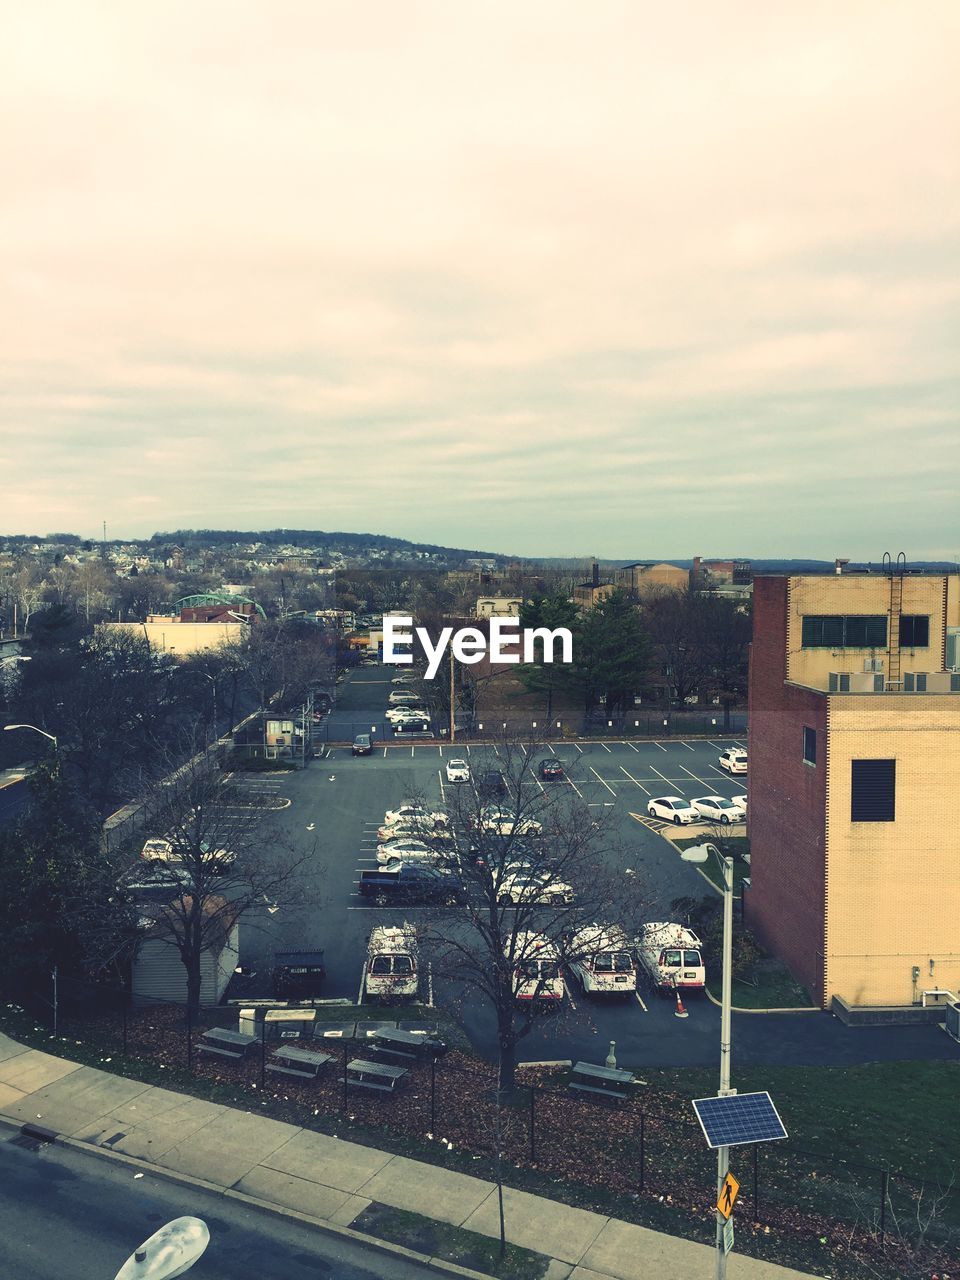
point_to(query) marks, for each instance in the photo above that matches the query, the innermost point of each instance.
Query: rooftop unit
(855, 682)
(931, 682)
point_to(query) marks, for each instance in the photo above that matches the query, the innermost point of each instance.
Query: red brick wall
(787, 799)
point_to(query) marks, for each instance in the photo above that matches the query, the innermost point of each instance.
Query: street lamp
(35, 730)
(701, 853)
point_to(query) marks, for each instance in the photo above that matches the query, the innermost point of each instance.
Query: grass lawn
(770, 986)
(453, 1244)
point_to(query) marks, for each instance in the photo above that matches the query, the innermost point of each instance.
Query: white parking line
(573, 1003)
(363, 976)
(632, 747)
(605, 747)
(430, 983)
(575, 787)
(702, 781)
(662, 748)
(667, 780)
(579, 748)
(384, 753)
(720, 771)
(636, 780)
(550, 745)
(640, 1002)
(687, 745)
(599, 779)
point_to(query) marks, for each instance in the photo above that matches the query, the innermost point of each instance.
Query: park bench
(226, 1044)
(374, 1075)
(607, 1082)
(304, 1063)
(409, 1046)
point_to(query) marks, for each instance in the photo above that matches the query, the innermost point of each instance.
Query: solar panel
(738, 1119)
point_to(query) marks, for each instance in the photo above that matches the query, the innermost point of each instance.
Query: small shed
(157, 972)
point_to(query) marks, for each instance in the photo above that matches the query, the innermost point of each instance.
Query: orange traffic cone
(680, 1011)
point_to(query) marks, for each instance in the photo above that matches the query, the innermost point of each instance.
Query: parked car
(533, 891)
(410, 811)
(503, 822)
(670, 955)
(158, 849)
(536, 969)
(409, 882)
(672, 809)
(719, 809)
(550, 770)
(408, 677)
(733, 760)
(392, 963)
(741, 800)
(458, 771)
(413, 830)
(407, 850)
(362, 745)
(403, 698)
(397, 715)
(298, 975)
(492, 783)
(402, 719)
(601, 960)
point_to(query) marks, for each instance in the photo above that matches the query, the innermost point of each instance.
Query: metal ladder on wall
(894, 572)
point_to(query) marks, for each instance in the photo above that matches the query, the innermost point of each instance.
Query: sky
(620, 279)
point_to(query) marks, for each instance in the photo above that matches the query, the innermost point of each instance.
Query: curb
(440, 1265)
(797, 1008)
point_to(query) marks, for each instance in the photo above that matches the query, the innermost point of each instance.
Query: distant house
(158, 973)
(587, 594)
(499, 606)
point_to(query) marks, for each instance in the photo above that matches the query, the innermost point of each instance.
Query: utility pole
(723, 1153)
(453, 724)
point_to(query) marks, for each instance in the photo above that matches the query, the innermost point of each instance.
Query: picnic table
(410, 1046)
(226, 1044)
(609, 1082)
(290, 1060)
(374, 1075)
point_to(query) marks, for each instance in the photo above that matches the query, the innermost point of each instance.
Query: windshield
(692, 958)
(671, 959)
(402, 964)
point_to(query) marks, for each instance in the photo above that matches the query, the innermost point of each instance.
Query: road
(343, 799)
(69, 1214)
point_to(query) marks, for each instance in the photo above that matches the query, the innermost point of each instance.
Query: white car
(672, 809)
(733, 760)
(742, 802)
(160, 851)
(397, 714)
(411, 831)
(409, 811)
(719, 809)
(404, 698)
(410, 677)
(504, 823)
(408, 850)
(533, 891)
(402, 719)
(458, 771)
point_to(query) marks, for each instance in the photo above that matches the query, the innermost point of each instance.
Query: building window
(839, 631)
(873, 790)
(809, 746)
(914, 631)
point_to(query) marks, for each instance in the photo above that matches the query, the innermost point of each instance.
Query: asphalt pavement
(336, 804)
(66, 1213)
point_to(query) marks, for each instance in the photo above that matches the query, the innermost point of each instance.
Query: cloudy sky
(629, 279)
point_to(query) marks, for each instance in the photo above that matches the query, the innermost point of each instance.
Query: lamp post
(7, 727)
(701, 853)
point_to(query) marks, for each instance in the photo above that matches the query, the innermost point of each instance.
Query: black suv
(492, 783)
(362, 746)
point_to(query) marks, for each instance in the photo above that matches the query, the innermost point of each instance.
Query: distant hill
(313, 540)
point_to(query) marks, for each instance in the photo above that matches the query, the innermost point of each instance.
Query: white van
(536, 969)
(601, 961)
(392, 969)
(670, 954)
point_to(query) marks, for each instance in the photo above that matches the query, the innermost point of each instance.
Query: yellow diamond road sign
(728, 1195)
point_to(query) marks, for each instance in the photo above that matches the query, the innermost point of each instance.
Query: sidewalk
(328, 1179)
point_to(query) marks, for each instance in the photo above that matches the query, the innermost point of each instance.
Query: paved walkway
(280, 1165)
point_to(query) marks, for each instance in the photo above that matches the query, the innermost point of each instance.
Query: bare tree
(211, 850)
(538, 876)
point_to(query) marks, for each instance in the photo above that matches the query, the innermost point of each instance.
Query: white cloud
(555, 268)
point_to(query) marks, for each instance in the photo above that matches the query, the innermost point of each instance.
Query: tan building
(499, 606)
(170, 635)
(854, 772)
(647, 575)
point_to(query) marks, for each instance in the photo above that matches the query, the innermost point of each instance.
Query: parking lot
(337, 804)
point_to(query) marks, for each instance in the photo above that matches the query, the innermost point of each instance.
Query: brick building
(854, 770)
